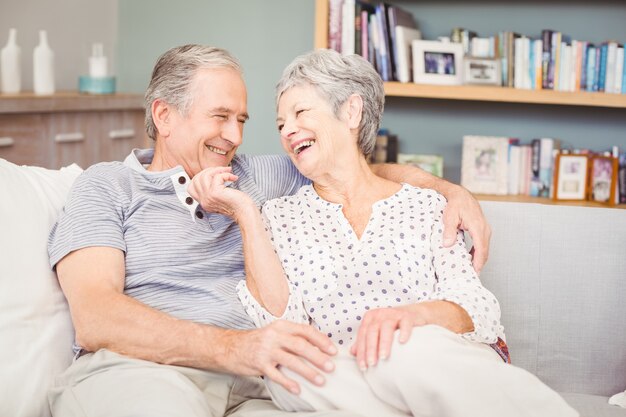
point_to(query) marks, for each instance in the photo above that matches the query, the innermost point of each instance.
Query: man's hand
(210, 190)
(463, 212)
(281, 344)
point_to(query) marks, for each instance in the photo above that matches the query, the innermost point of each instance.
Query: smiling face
(313, 137)
(211, 132)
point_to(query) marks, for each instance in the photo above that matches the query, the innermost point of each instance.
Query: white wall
(72, 26)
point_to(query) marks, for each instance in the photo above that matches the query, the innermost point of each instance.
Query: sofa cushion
(593, 405)
(34, 320)
(558, 272)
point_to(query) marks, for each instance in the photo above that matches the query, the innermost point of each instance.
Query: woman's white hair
(336, 77)
(173, 75)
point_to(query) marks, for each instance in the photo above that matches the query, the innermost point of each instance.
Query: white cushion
(35, 327)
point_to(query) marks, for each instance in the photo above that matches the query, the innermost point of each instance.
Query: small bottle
(43, 66)
(97, 62)
(10, 65)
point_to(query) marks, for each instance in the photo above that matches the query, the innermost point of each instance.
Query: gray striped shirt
(179, 259)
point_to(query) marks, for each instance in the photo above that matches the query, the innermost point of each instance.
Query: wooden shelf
(542, 200)
(476, 93)
(28, 102)
(504, 95)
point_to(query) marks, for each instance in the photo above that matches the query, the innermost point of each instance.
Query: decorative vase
(43, 66)
(10, 65)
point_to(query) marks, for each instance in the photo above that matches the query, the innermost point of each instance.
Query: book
(397, 17)
(537, 64)
(432, 164)
(404, 37)
(347, 27)
(604, 49)
(546, 164)
(546, 37)
(596, 69)
(555, 60)
(334, 24)
(621, 174)
(611, 62)
(385, 47)
(535, 181)
(619, 71)
(624, 75)
(361, 12)
(484, 165)
(515, 161)
(591, 66)
(524, 174)
(385, 149)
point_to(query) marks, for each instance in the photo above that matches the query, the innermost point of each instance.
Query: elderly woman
(361, 258)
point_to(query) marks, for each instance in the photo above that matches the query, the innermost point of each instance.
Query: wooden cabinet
(54, 131)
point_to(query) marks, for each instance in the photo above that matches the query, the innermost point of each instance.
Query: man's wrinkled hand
(298, 347)
(463, 212)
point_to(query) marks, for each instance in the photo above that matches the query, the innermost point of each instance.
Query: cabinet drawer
(121, 131)
(21, 139)
(72, 137)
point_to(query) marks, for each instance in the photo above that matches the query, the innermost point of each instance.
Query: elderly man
(150, 277)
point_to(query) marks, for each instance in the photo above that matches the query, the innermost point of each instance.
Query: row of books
(381, 33)
(505, 166)
(554, 62)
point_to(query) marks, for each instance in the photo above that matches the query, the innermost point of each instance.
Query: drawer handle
(122, 134)
(6, 141)
(69, 137)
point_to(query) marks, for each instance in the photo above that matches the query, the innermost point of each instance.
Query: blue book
(591, 67)
(596, 69)
(385, 52)
(603, 55)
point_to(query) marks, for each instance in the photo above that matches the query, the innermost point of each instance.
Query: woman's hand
(375, 336)
(209, 189)
(377, 330)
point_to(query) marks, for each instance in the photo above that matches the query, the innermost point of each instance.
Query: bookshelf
(476, 93)
(487, 94)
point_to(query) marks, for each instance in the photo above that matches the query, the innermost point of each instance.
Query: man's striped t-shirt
(179, 259)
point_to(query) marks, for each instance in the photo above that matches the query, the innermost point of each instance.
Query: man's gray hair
(336, 77)
(173, 75)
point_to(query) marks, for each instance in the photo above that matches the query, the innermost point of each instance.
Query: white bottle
(10, 66)
(43, 66)
(97, 62)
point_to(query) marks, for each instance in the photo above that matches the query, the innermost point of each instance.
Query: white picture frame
(482, 71)
(439, 63)
(484, 165)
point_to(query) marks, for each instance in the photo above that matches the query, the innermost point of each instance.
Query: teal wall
(266, 35)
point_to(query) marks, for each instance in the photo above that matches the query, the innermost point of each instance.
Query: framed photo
(484, 165)
(437, 62)
(429, 163)
(485, 71)
(603, 179)
(570, 177)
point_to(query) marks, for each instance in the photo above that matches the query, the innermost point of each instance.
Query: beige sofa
(559, 273)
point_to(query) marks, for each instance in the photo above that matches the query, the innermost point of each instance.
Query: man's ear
(161, 117)
(354, 111)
